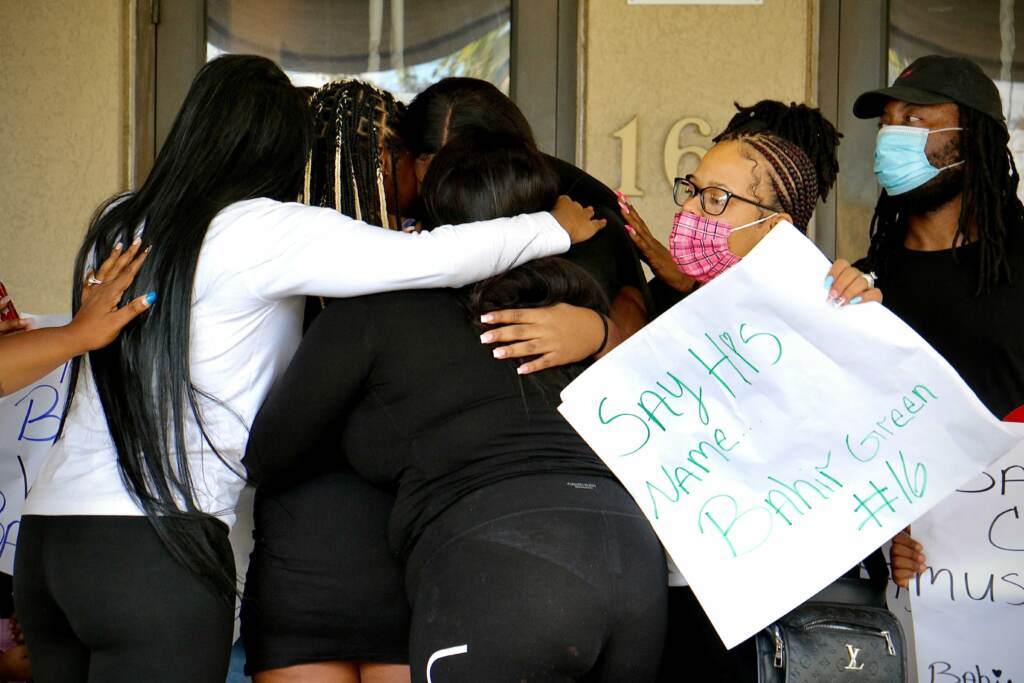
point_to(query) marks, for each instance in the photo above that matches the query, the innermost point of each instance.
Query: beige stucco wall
(63, 107)
(665, 63)
(64, 75)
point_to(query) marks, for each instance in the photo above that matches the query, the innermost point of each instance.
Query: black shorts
(539, 578)
(323, 584)
(101, 599)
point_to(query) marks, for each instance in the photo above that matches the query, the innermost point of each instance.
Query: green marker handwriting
(729, 359)
(871, 444)
(790, 496)
(675, 481)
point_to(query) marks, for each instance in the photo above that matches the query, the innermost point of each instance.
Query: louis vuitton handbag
(844, 633)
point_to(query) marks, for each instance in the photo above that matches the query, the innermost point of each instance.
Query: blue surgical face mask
(900, 162)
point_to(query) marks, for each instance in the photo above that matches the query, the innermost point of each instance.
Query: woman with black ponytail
(457, 105)
(124, 572)
(525, 558)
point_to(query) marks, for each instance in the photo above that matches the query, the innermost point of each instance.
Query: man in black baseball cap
(947, 236)
(935, 79)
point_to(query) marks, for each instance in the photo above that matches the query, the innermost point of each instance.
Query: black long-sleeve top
(412, 398)
(609, 255)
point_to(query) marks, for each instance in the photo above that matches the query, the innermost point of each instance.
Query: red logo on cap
(906, 72)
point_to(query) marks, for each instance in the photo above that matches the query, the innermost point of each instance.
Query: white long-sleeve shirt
(258, 261)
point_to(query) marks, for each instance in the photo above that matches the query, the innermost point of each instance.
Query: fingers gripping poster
(774, 441)
(29, 419)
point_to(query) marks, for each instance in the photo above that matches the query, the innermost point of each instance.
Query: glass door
(526, 48)
(400, 46)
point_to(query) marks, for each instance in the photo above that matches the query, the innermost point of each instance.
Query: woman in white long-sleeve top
(124, 571)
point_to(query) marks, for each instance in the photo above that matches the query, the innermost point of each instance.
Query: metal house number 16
(673, 152)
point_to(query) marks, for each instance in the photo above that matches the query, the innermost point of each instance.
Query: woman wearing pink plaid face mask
(743, 187)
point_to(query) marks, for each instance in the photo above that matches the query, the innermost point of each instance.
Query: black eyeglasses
(714, 200)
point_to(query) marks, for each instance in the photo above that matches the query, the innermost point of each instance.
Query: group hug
(367, 310)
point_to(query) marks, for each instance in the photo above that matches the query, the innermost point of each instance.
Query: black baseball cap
(935, 79)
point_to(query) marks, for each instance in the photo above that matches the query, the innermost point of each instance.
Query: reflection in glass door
(527, 48)
(399, 46)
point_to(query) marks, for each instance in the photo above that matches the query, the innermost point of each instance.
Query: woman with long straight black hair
(124, 571)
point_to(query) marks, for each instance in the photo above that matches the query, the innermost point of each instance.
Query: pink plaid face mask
(700, 246)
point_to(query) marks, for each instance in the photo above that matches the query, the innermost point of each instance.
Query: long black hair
(351, 120)
(478, 176)
(456, 105)
(243, 132)
(804, 126)
(989, 202)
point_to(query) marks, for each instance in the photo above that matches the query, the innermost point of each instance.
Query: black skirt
(323, 584)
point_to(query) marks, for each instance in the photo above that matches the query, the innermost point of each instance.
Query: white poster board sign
(775, 441)
(969, 604)
(29, 419)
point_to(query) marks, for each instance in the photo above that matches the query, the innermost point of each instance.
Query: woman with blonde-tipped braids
(359, 166)
(324, 597)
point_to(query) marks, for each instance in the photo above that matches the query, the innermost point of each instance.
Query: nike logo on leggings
(441, 654)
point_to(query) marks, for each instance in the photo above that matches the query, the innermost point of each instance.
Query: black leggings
(538, 578)
(100, 600)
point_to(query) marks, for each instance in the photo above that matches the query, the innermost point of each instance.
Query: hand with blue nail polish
(846, 285)
(27, 356)
(101, 318)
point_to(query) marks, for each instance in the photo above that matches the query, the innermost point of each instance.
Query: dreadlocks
(989, 202)
(352, 119)
(805, 127)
